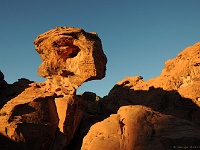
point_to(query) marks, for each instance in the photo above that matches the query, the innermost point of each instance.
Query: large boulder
(141, 128)
(70, 56)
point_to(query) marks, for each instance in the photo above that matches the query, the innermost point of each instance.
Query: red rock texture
(29, 119)
(72, 53)
(70, 56)
(161, 113)
(46, 115)
(176, 91)
(174, 94)
(141, 128)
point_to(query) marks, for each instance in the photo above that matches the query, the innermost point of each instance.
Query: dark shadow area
(60, 140)
(8, 144)
(165, 102)
(31, 125)
(20, 110)
(9, 91)
(37, 136)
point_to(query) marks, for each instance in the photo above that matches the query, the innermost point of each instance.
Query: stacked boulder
(47, 115)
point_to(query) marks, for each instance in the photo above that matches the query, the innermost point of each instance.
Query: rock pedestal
(46, 115)
(70, 57)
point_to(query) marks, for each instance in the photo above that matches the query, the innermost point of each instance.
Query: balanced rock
(46, 115)
(70, 56)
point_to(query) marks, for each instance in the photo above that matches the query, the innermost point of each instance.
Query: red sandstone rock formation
(141, 128)
(32, 112)
(176, 91)
(70, 57)
(28, 117)
(174, 94)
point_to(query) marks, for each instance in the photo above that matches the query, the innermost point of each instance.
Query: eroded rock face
(186, 64)
(70, 57)
(29, 118)
(139, 127)
(175, 92)
(46, 115)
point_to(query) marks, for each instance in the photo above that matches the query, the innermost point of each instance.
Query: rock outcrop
(161, 113)
(46, 115)
(9, 91)
(29, 120)
(141, 128)
(28, 116)
(174, 93)
(70, 57)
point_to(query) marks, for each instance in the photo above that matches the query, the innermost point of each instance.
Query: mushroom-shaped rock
(70, 56)
(70, 53)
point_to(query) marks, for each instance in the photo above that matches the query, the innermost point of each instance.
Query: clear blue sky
(138, 36)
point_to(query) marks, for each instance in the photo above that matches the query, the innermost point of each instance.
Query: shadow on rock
(8, 144)
(165, 102)
(9, 91)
